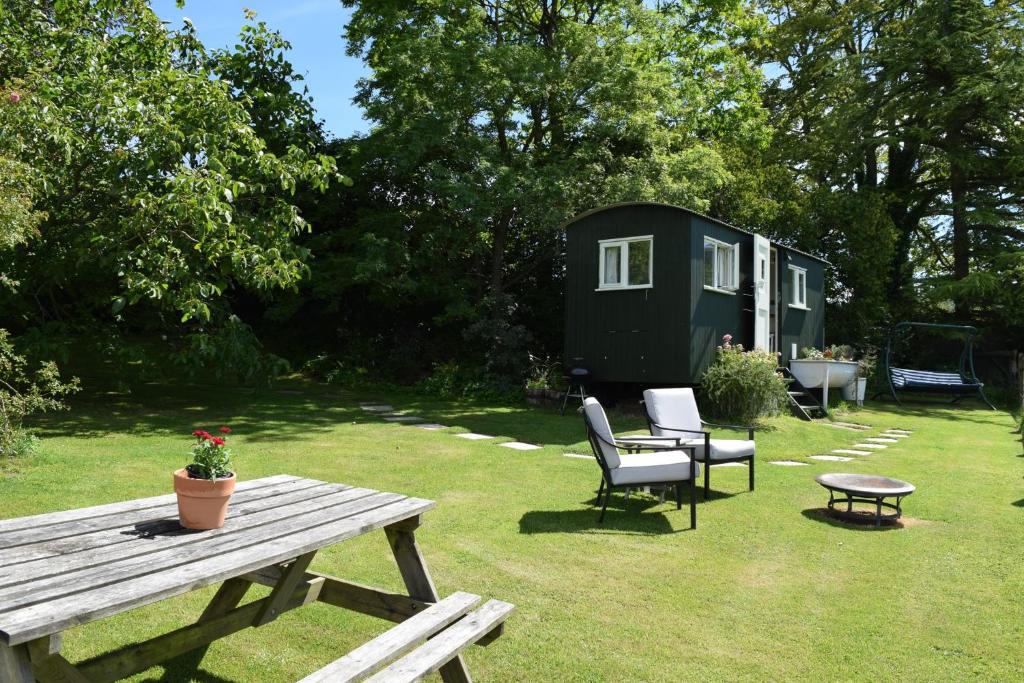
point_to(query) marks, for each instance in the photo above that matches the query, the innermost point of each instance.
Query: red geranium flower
(225, 430)
(217, 441)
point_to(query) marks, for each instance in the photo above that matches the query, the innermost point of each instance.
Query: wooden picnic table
(64, 569)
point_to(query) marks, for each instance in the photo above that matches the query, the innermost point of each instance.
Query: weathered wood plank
(57, 615)
(96, 548)
(446, 645)
(395, 642)
(291, 578)
(250, 530)
(138, 657)
(75, 529)
(48, 665)
(14, 664)
(122, 507)
(412, 566)
(374, 602)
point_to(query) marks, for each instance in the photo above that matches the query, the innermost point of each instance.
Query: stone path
(870, 445)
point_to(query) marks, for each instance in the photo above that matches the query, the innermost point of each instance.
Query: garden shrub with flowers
(742, 386)
(211, 458)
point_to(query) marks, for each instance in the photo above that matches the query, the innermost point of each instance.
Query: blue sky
(313, 27)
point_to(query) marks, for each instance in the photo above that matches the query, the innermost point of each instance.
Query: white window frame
(716, 279)
(623, 244)
(798, 283)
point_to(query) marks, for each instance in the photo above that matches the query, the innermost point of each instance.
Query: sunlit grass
(764, 589)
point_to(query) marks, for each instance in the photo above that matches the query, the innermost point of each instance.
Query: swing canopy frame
(961, 384)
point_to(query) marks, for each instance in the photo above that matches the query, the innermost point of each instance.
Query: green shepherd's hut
(652, 288)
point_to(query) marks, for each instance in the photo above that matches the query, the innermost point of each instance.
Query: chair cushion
(599, 421)
(652, 468)
(723, 449)
(673, 409)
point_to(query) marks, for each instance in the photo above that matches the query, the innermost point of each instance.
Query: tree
(149, 176)
(913, 107)
(497, 121)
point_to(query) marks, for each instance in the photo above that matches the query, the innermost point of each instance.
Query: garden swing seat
(959, 384)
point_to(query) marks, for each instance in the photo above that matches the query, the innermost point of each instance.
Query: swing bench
(960, 385)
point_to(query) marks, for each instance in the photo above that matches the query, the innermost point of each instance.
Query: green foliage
(493, 124)
(147, 180)
(229, 352)
(744, 386)
(211, 458)
(23, 393)
(902, 120)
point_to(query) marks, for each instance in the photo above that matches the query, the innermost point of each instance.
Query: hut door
(762, 292)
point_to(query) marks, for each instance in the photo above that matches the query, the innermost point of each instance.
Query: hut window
(799, 298)
(626, 263)
(721, 265)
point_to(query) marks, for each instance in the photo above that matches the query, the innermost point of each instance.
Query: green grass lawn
(764, 589)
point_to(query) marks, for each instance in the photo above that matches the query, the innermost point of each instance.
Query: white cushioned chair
(673, 413)
(667, 461)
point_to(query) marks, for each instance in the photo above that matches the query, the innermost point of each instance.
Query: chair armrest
(649, 442)
(676, 429)
(749, 428)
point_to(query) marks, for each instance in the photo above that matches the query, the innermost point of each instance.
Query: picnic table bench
(63, 569)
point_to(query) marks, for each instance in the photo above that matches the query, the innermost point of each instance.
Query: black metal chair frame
(673, 444)
(651, 424)
(970, 384)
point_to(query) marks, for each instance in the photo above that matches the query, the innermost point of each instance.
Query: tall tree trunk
(961, 229)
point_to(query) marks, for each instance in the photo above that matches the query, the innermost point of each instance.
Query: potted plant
(205, 486)
(857, 388)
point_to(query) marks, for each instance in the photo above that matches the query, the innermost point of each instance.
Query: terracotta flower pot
(202, 503)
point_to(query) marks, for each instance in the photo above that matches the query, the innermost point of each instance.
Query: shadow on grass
(824, 516)
(623, 517)
(261, 415)
(1018, 503)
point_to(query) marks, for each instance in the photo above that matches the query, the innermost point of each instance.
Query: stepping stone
(377, 408)
(842, 426)
(431, 426)
(871, 446)
(403, 418)
(881, 439)
(896, 435)
(787, 463)
(850, 451)
(473, 437)
(832, 458)
(900, 431)
(848, 425)
(578, 455)
(728, 464)
(520, 446)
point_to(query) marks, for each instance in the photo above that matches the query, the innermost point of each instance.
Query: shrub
(22, 394)
(743, 386)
